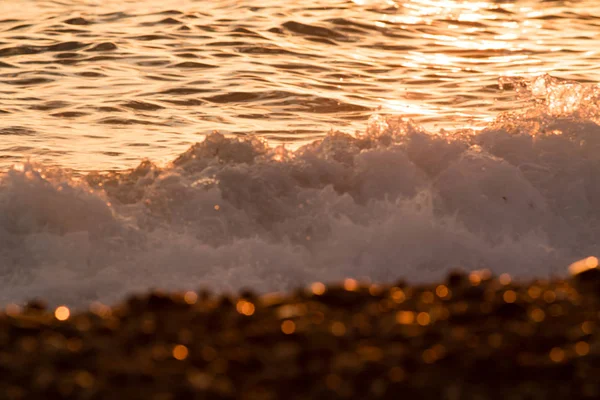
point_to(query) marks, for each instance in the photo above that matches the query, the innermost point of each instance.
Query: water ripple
(153, 79)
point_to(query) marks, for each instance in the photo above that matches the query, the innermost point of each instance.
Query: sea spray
(394, 201)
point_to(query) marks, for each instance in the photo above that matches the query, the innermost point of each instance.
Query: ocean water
(267, 145)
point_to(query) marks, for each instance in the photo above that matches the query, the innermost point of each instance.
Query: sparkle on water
(95, 85)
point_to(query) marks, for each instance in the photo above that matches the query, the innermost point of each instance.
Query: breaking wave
(394, 202)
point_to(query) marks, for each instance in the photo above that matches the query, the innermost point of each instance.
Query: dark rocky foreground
(471, 337)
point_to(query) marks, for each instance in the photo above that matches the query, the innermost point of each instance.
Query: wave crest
(395, 201)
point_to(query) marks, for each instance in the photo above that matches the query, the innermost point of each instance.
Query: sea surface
(269, 144)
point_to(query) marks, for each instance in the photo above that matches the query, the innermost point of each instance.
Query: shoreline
(472, 336)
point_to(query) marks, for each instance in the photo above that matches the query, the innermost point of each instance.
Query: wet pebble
(471, 337)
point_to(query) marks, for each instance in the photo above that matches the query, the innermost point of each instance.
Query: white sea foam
(396, 202)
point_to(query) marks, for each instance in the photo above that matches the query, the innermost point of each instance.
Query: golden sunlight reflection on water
(97, 85)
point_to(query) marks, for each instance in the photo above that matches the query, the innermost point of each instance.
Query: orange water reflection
(95, 85)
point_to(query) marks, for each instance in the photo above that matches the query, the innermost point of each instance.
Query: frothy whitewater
(393, 201)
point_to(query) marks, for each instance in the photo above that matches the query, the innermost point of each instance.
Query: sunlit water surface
(100, 84)
(419, 136)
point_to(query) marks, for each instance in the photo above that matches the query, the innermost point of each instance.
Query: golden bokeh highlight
(405, 317)
(375, 290)
(288, 327)
(505, 279)
(423, 319)
(62, 313)
(429, 356)
(583, 265)
(587, 327)
(582, 348)
(317, 288)
(537, 315)
(557, 354)
(397, 295)
(475, 278)
(427, 297)
(534, 292)
(442, 291)
(198, 379)
(338, 328)
(434, 353)
(510, 296)
(370, 353)
(190, 297)
(245, 307)
(549, 296)
(180, 352)
(84, 379)
(350, 284)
